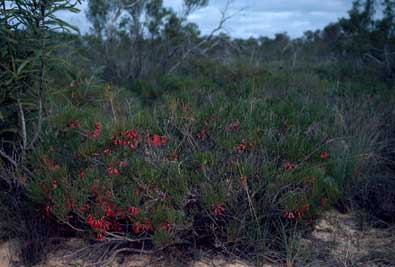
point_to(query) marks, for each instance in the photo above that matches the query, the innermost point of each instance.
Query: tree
(155, 36)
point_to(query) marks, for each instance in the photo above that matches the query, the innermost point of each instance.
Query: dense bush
(197, 167)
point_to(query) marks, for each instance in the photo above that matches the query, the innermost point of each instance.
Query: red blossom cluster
(110, 222)
(289, 165)
(156, 140)
(166, 226)
(47, 211)
(107, 151)
(324, 155)
(233, 127)
(74, 124)
(139, 227)
(132, 139)
(101, 226)
(242, 147)
(112, 171)
(123, 164)
(218, 209)
(298, 213)
(127, 138)
(289, 215)
(114, 214)
(133, 211)
(96, 132)
(201, 135)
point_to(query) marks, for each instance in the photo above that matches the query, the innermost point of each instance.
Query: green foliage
(226, 162)
(23, 70)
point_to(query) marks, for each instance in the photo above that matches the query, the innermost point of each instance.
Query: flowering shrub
(187, 175)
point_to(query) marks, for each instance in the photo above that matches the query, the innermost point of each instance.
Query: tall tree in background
(150, 35)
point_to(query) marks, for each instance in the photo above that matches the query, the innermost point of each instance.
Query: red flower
(138, 227)
(73, 124)
(116, 141)
(156, 140)
(163, 140)
(300, 212)
(166, 226)
(47, 211)
(94, 188)
(324, 155)
(107, 151)
(132, 146)
(288, 215)
(111, 171)
(131, 134)
(123, 164)
(218, 210)
(147, 226)
(109, 212)
(240, 148)
(306, 207)
(233, 127)
(116, 227)
(98, 224)
(202, 134)
(133, 211)
(82, 173)
(99, 236)
(96, 133)
(69, 203)
(89, 219)
(288, 165)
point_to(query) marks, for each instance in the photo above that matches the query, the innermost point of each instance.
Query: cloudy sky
(255, 17)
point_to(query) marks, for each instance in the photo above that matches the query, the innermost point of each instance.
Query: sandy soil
(344, 240)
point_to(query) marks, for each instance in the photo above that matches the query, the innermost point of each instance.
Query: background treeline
(146, 41)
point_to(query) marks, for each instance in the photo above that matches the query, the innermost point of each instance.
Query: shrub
(202, 170)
